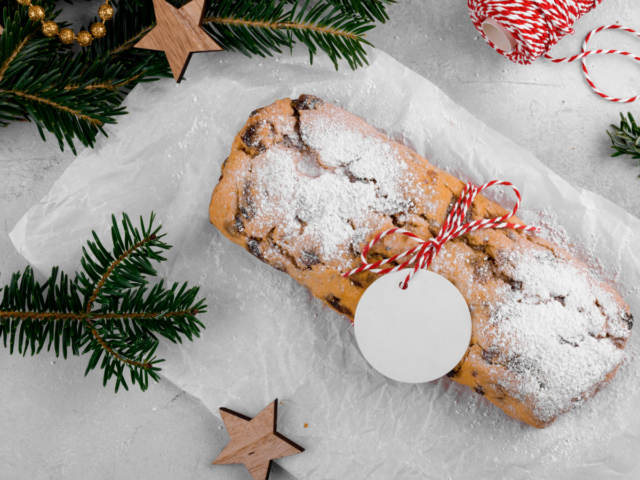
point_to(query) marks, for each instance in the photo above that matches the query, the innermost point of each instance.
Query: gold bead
(36, 13)
(66, 36)
(105, 12)
(98, 30)
(84, 38)
(24, 2)
(50, 29)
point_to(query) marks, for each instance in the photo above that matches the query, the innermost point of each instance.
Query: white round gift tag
(414, 335)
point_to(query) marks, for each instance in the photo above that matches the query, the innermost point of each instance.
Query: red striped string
(537, 25)
(423, 254)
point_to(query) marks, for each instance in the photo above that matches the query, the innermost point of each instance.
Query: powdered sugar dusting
(329, 197)
(359, 155)
(559, 328)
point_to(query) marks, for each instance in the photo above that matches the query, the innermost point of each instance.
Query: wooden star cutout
(255, 442)
(178, 34)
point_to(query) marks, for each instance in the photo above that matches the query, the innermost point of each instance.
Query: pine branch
(108, 310)
(370, 9)
(133, 20)
(625, 140)
(71, 96)
(262, 28)
(337, 33)
(75, 96)
(35, 69)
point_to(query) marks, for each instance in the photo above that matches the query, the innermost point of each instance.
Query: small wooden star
(255, 442)
(178, 34)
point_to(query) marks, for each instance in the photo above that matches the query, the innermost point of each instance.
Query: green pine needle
(74, 96)
(263, 28)
(107, 311)
(625, 139)
(370, 9)
(71, 96)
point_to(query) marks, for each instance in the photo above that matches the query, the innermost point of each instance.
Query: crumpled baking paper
(267, 337)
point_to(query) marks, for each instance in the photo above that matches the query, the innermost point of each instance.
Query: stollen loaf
(308, 184)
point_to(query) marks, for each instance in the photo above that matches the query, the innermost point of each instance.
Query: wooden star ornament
(255, 441)
(179, 34)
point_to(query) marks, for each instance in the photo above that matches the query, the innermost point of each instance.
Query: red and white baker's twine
(537, 25)
(423, 254)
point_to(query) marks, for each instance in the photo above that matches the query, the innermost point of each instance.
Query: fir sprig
(262, 28)
(75, 96)
(371, 9)
(108, 310)
(72, 96)
(625, 139)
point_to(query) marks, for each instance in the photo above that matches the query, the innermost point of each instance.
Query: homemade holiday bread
(307, 184)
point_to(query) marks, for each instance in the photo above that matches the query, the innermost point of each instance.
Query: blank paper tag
(414, 335)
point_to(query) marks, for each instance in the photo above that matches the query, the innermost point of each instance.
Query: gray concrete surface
(57, 424)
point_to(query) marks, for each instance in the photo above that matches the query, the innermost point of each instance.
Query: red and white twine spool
(423, 254)
(535, 26)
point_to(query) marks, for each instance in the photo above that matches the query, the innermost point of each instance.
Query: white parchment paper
(267, 337)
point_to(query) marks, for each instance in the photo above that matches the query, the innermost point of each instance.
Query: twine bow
(423, 254)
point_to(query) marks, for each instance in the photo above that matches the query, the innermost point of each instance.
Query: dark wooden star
(255, 442)
(178, 34)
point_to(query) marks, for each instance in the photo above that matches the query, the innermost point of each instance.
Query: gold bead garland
(98, 30)
(66, 35)
(49, 28)
(36, 13)
(84, 38)
(105, 12)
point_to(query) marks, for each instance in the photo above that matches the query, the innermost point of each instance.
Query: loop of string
(423, 254)
(537, 25)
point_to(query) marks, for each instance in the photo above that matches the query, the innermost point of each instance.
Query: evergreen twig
(262, 28)
(108, 310)
(625, 139)
(71, 96)
(370, 9)
(75, 96)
